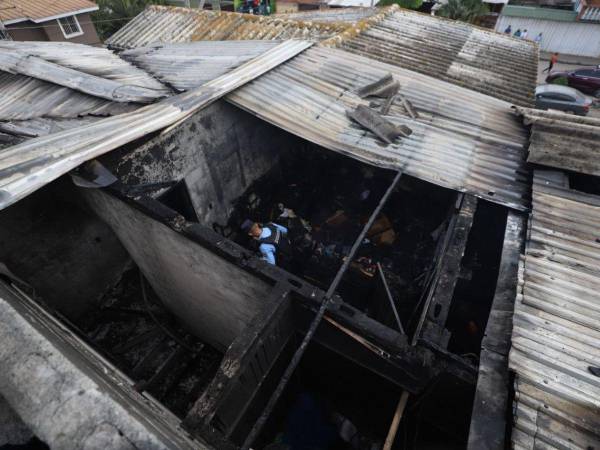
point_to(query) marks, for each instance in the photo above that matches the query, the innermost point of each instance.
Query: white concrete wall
(572, 38)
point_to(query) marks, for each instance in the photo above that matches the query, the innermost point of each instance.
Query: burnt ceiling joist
(490, 405)
(445, 274)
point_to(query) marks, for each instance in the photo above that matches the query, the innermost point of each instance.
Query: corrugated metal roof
(348, 15)
(353, 3)
(462, 140)
(96, 61)
(185, 66)
(556, 326)
(37, 10)
(65, 80)
(24, 98)
(43, 127)
(163, 24)
(27, 167)
(563, 141)
(472, 57)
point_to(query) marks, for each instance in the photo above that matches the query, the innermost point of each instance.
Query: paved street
(594, 112)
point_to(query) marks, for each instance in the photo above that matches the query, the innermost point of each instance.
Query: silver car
(563, 98)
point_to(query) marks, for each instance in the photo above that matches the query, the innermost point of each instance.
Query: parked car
(586, 79)
(563, 98)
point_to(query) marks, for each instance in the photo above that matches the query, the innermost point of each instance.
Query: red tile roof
(38, 10)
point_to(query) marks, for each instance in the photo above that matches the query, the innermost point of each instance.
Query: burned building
(135, 312)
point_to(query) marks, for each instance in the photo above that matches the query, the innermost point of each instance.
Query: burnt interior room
(324, 199)
(169, 232)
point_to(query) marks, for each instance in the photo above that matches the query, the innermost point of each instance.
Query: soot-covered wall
(219, 152)
(212, 296)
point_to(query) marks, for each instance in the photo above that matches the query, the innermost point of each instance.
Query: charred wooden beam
(432, 323)
(165, 368)
(217, 412)
(488, 420)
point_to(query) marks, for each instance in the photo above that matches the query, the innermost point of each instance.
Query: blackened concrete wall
(68, 255)
(219, 152)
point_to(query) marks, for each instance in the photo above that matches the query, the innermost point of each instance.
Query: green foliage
(408, 4)
(113, 14)
(463, 10)
(561, 81)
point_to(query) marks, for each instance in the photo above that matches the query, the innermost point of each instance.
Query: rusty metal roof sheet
(163, 24)
(462, 140)
(348, 15)
(457, 52)
(556, 330)
(27, 167)
(188, 65)
(563, 141)
(13, 11)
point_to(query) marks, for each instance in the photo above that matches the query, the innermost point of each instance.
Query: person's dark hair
(246, 225)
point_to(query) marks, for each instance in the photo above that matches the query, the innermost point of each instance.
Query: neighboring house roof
(14, 11)
(353, 3)
(478, 59)
(189, 65)
(531, 12)
(348, 15)
(163, 24)
(456, 52)
(556, 332)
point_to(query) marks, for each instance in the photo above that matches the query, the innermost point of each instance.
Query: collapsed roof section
(458, 139)
(65, 82)
(162, 24)
(26, 167)
(455, 138)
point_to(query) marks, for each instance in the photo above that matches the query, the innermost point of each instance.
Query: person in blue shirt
(272, 239)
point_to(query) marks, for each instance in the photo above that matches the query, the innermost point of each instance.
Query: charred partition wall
(65, 253)
(214, 156)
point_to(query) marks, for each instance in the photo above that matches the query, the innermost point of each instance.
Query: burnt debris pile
(324, 200)
(135, 331)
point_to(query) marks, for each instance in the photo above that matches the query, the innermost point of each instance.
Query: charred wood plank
(147, 361)
(219, 395)
(165, 368)
(488, 420)
(437, 306)
(146, 336)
